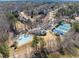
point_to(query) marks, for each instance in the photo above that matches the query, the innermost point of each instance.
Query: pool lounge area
(62, 29)
(23, 39)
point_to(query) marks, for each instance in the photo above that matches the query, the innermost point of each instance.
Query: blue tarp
(24, 39)
(61, 29)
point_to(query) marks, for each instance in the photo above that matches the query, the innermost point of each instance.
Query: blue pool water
(63, 28)
(24, 39)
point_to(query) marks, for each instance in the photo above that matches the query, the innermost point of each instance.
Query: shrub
(4, 50)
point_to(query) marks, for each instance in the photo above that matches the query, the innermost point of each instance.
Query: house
(24, 17)
(77, 18)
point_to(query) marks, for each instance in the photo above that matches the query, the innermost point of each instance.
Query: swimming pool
(23, 39)
(63, 28)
